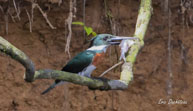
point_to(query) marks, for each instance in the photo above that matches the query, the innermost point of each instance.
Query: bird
(86, 61)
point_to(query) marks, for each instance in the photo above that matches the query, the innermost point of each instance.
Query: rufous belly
(98, 59)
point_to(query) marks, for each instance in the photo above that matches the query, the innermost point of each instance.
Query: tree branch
(31, 75)
(93, 83)
(19, 56)
(140, 30)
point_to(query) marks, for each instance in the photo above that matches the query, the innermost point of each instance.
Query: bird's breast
(98, 58)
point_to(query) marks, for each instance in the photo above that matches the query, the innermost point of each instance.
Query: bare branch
(6, 18)
(32, 11)
(59, 2)
(69, 23)
(11, 16)
(1, 8)
(43, 14)
(30, 21)
(114, 66)
(31, 74)
(19, 56)
(170, 74)
(17, 10)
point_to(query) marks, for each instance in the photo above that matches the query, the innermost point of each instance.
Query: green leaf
(94, 34)
(78, 23)
(88, 30)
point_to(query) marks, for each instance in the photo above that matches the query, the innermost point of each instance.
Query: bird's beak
(116, 40)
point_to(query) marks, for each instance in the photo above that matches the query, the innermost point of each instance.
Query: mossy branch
(103, 84)
(19, 56)
(143, 19)
(31, 75)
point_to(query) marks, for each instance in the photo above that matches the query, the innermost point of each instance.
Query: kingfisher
(85, 62)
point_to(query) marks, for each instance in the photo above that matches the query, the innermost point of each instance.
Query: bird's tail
(50, 88)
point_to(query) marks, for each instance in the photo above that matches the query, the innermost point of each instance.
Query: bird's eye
(105, 38)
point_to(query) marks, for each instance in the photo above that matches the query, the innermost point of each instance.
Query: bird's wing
(79, 62)
(76, 65)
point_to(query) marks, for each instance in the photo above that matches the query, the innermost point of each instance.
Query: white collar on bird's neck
(101, 48)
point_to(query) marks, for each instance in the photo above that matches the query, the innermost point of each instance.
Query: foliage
(88, 30)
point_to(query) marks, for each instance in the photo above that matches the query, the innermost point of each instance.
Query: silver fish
(125, 45)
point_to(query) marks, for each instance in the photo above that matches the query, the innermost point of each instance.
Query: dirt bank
(46, 47)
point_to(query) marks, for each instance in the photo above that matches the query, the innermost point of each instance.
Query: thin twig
(30, 21)
(44, 15)
(84, 32)
(59, 2)
(11, 16)
(17, 10)
(6, 23)
(32, 12)
(114, 66)
(166, 6)
(169, 90)
(69, 22)
(6, 20)
(1, 8)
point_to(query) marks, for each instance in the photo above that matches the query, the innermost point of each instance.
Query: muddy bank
(46, 47)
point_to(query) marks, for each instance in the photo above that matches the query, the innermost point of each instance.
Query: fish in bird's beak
(116, 40)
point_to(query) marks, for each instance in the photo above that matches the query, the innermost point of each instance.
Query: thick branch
(140, 30)
(16, 54)
(19, 56)
(92, 83)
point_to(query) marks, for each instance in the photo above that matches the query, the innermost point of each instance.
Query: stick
(114, 66)
(69, 22)
(17, 10)
(44, 15)
(30, 21)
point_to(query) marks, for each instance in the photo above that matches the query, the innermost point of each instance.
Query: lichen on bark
(140, 30)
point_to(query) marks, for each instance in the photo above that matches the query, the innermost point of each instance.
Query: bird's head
(107, 39)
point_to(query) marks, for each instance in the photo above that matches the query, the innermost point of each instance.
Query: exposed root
(169, 88)
(30, 21)
(17, 10)
(84, 32)
(186, 9)
(59, 2)
(6, 23)
(44, 15)
(12, 17)
(16, 7)
(68, 23)
(1, 8)
(5, 11)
